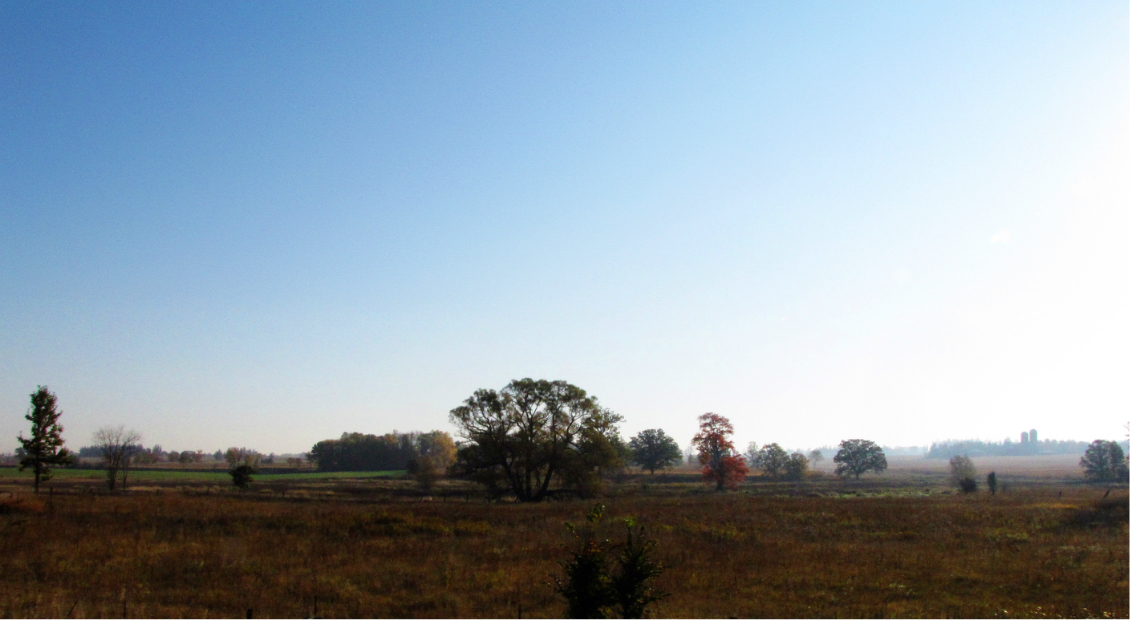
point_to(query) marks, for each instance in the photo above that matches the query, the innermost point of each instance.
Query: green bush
(592, 590)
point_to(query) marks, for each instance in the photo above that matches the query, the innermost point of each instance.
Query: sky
(266, 224)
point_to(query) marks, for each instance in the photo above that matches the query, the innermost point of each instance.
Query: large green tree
(532, 433)
(44, 447)
(859, 456)
(1104, 460)
(653, 449)
(771, 459)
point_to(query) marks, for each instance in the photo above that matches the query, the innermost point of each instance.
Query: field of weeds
(834, 550)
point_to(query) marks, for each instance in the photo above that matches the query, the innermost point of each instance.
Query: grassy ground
(896, 546)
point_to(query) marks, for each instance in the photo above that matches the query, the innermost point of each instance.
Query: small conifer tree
(592, 589)
(241, 476)
(632, 586)
(45, 445)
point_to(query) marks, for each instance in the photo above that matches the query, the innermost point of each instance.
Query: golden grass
(1037, 552)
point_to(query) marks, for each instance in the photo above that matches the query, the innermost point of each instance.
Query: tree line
(388, 452)
(535, 438)
(532, 438)
(975, 447)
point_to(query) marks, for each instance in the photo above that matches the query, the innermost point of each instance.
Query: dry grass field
(897, 545)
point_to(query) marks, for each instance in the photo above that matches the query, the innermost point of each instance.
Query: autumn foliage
(716, 453)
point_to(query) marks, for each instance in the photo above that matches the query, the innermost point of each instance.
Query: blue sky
(268, 224)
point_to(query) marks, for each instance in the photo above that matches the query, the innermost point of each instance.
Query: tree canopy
(859, 456)
(772, 459)
(1104, 460)
(796, 466)
(535, 432)
(653, 449)
(391, 451)
(44, 447)
(720, 463)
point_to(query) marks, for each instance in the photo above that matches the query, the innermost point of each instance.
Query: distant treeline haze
(975, 447)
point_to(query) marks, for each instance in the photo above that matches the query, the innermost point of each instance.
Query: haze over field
(268, 224)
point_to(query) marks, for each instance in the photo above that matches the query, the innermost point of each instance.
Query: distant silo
(1032, 436)
(1024, 438)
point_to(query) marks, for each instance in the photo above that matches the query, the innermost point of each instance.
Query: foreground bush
(592, 590)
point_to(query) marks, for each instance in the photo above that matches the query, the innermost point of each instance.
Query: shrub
(241, 476)
(592, 590)
(1103, 513)
(963, 473)
(587, 585)
(637, 568)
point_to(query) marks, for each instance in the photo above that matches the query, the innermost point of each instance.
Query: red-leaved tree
(720, 463)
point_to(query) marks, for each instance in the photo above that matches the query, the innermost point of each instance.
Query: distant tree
(118, 447)
(241, 476)
(365, 452)
(435, 453)
(963, 474)
(716, 453)
(771, 459)
(859, 456)
(1104, 461)
(653, 449)
(146, 456)
(88, 452)
(751, 454)
(991, 481)
(796, 466)
(242, 456)
(816, 456)
(44, 447)
(598, 453)
(534, 433)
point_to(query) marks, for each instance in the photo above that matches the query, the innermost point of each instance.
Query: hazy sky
(265, 224)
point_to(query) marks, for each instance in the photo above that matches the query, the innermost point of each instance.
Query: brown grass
(775, 550)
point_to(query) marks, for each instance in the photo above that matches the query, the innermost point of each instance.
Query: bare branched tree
(118, 446)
